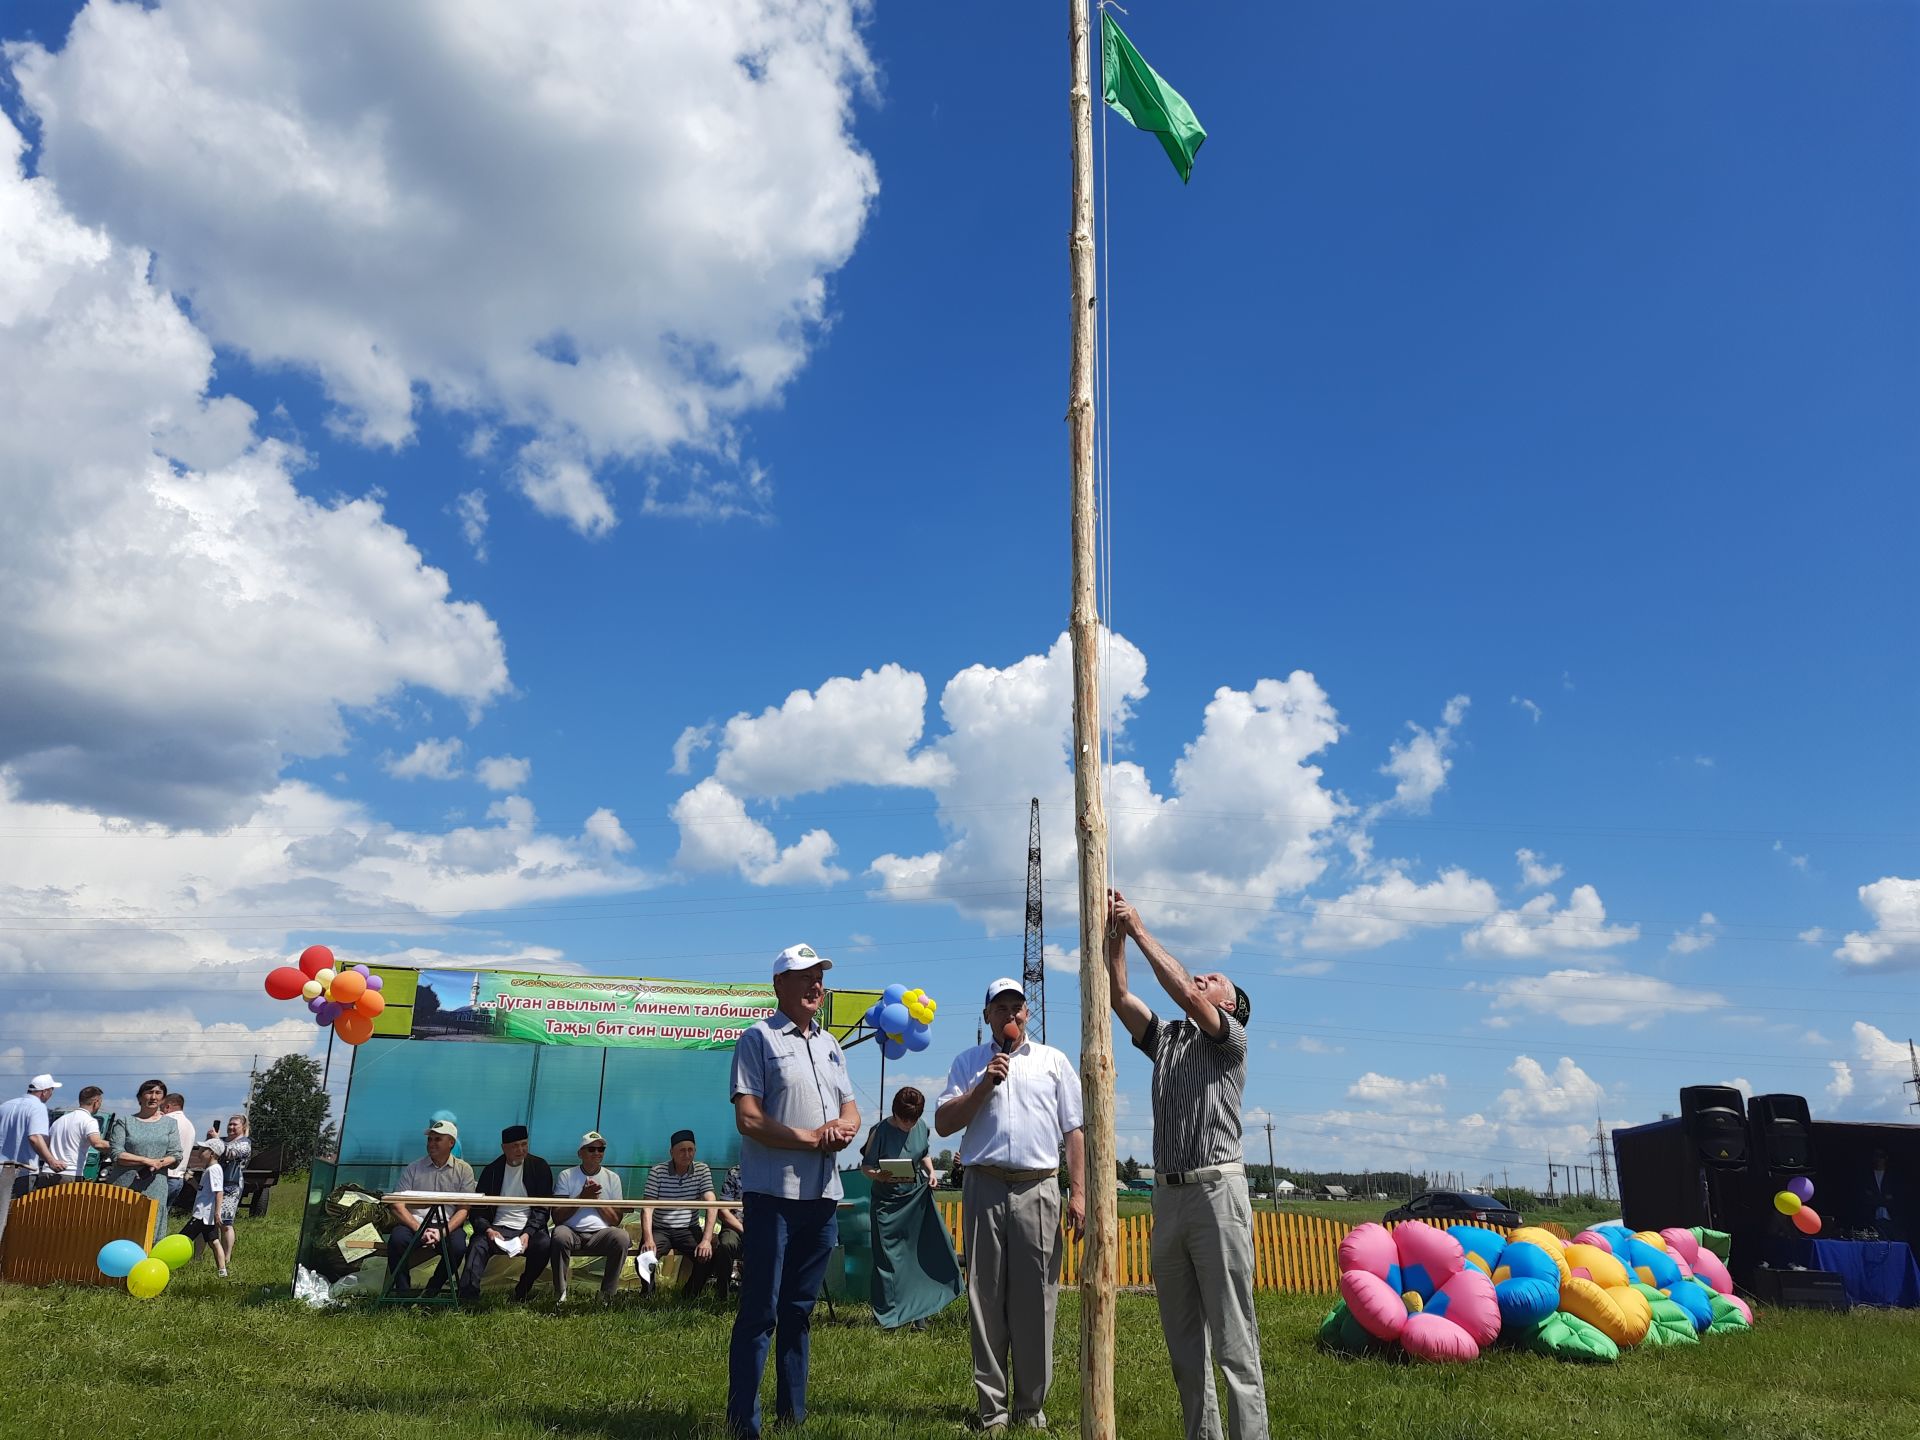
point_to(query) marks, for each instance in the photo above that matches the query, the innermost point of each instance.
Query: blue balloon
(916, 1039)
(894, 1018)
(873, 1015)
(891, 1050)
(117, 1257)
(892, 994)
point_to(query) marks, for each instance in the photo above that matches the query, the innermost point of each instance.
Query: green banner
(597, 1010)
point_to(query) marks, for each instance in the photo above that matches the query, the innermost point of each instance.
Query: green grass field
(239, 1358)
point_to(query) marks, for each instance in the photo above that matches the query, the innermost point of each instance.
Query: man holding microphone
(1202, 1218)
(1016, 1099)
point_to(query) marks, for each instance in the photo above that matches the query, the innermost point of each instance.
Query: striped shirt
(664, 1184)
(1197, 1081)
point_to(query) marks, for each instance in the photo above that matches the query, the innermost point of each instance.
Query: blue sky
(1512, 422)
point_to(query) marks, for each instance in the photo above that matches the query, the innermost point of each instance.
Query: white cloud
(1537, 928)
(1813, 936)
(1882, 1070)
(693, 739)
(718, 835)
(1742, 1084)
(603, 827)
(1407, 1097)
(470, 509)
(686, 178)
(1419, 766)
(1067, 962)
(1894, 941)
(1601, 997)
(429, 760)
(848, 732)
(503, 772)
(1568, 1094)
(1312, 1045)
(1526, 705)
(180, 619)
(1799, 862)
(1378, 912)
(1705, 762)
(1535, 872)
(1841, 1086)
(1702, 936)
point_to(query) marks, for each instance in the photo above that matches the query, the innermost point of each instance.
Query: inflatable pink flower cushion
(1413, 1285)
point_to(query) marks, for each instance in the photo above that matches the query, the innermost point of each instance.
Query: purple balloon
(1803, 1187)
(374, 982)
(363, 972)
(321, 1020)
(316, 1003)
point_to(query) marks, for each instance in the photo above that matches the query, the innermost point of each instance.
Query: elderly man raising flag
(1202, 1218)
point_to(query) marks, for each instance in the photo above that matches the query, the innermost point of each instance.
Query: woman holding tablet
(915, 1272)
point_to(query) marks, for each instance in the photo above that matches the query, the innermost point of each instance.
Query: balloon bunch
(347, 999)
(902, 1017)
(1792, 1203)
(145, 1271)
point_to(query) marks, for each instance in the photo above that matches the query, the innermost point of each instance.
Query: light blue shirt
(21, 1117)
(800, 1079)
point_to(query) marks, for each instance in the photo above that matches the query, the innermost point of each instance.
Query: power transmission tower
(1033, 957)
(1914, 1060)
(1273, 1173)
(1600, 1153)
(1549, 1177)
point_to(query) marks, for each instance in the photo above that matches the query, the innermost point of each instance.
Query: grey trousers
(1012, 1244)
(612, 1242)
(1203, 1275)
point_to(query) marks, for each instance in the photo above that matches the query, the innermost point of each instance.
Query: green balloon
(172, 1252)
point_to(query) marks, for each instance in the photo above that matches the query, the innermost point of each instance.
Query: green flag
(1145, 100)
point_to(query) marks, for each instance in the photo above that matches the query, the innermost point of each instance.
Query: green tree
(289, 1110)
(1129, 1171)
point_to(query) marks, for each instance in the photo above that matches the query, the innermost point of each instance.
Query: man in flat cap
(793, 1106)
(710, 1247)
(509, 1228)
(1202, 1217)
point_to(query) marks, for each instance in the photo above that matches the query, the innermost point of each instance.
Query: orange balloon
(353, 1027)
(370, 1003)
(1806, 1221)
(348, 986)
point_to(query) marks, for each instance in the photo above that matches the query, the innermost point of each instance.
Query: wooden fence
(1292, 1252)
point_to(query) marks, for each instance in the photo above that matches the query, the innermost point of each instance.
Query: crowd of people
(155, 1150)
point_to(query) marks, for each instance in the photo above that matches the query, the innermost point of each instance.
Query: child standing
(205, 1224)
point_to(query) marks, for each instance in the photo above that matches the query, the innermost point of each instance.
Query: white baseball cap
(799, 957)
(1001, 987)
(213, 1145)
(444, 1127)
(43, 1081)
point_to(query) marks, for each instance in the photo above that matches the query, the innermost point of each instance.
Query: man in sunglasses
(589, 1228)
(439, 1171)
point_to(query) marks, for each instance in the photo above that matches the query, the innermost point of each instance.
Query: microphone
(1005, 1040)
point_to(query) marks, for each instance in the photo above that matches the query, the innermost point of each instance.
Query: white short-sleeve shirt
(572, 1181)
(67, 1137)
(1021, 1124)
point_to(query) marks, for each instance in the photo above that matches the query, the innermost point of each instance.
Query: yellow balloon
(311, 990)
(325, 977)
(148, 1278)
(1786, 1202)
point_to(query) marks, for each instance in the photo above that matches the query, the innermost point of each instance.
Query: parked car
(1457, 1207)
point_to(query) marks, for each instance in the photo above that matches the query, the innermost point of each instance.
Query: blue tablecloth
(1875, 1272)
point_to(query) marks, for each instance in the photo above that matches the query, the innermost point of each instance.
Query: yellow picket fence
(1292, 1252)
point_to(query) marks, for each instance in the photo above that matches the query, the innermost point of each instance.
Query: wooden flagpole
(1097, 1271)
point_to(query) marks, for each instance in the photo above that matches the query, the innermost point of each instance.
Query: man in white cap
(23, 1134)
(1017, 1100)
(437, 1228)
(793, 1106)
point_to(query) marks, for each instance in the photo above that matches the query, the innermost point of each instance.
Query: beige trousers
(1012, 1242)
(1203, 1276)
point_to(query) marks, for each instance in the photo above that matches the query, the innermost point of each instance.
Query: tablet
(899, 1169)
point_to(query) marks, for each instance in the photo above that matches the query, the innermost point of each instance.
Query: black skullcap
(513, 1133)
(1242, 1007)
(678, 1136)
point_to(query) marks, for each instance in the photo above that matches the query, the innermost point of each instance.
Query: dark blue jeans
(783, 1258)
(397, 1244)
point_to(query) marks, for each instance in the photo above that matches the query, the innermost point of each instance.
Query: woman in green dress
(142, 1148)
(915, 1272)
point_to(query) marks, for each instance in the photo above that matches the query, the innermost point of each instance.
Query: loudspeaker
(1802, 1289)
(1782, 1132)
(1716, 1122)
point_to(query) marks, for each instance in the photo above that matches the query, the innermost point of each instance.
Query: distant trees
(288, 1112)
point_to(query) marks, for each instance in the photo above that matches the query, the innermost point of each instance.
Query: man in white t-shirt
(174, 1107)
(509, 1228)
(589, 1229)
(73, 1134)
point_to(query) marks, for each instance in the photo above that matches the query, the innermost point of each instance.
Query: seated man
(438, 1171)
(589, 1229)
(684, 1178)
(508, 1228)
(733, 1225)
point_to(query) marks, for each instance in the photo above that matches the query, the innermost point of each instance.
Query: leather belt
(1013, 1177)
(1209, 1172)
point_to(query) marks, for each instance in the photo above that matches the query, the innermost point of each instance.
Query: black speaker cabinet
(1715, 1119)
(1800, 1289)
(1782, 1133)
